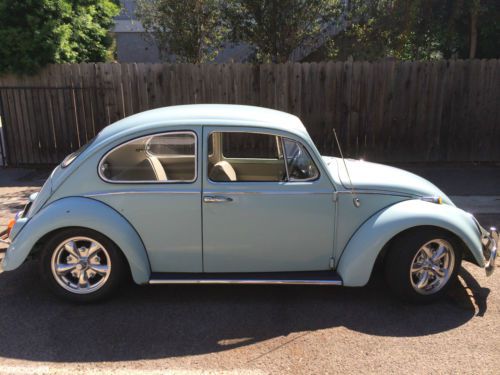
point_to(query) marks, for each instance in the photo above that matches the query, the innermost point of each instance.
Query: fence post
(3, 149)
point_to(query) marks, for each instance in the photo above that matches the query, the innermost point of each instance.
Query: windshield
(71, 157)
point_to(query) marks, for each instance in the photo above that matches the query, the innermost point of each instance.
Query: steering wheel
(299, 169)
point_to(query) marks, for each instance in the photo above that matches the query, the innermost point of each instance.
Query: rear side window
(168, 157)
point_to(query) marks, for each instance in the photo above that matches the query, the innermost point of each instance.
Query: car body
(228, 193)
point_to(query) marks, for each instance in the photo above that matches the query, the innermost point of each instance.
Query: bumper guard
(4, 239)
(491, 242)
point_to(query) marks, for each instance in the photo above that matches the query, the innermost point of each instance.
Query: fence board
(385, 110)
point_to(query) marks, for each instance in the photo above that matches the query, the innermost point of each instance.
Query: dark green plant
(34, 33)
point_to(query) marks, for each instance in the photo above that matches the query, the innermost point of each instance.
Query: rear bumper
(491, 242)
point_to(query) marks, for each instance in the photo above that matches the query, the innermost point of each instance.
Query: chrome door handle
(216, 199)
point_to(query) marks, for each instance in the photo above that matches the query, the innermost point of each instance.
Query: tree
(419, 29)
(277, 28)
(191, 30)
(34, 33)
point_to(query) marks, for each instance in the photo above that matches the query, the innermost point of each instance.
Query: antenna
(355, 199)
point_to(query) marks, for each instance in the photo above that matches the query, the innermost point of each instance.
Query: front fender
(357, 260)
(81, 212)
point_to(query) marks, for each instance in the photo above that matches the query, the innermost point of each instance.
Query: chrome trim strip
(104, 193)
(245, 281)
(264, 192)
(152, 181)
(269, 192)
(2, 256)
(378, 192)
(283, 151)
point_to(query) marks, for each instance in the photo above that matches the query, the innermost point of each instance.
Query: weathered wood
(386, 110)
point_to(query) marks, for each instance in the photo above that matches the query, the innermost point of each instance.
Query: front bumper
(3, 240)
(491, 242)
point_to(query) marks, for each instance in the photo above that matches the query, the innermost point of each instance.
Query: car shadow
(166, 321)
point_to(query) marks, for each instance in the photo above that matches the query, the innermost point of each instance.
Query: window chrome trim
(285, 158)
(152, 181)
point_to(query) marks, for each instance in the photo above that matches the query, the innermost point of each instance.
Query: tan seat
(223, 172)
(160, 173)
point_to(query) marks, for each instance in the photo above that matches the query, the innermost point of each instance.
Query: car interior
(245, 157)
(232, 157)
(151, 159)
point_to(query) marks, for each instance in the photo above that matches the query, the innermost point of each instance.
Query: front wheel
(81, 265)
(422, 264)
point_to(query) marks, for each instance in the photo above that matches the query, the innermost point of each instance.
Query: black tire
(116, 274)
(401, 254)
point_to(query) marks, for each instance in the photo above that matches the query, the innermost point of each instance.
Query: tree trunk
(474, 15)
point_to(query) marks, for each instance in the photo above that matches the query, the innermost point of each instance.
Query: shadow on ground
(166, 321)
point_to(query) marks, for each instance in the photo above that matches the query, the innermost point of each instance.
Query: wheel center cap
(82, 265)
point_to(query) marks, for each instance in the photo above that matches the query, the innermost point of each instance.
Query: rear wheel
(81, 265)
(422, 263)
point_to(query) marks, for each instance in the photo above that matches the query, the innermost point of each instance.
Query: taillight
(10, 226)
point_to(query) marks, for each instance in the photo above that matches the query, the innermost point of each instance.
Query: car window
(249, 145)
(168, 157)
(299, 163)
(246, 157)
(71, 157)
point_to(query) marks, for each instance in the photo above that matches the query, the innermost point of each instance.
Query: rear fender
(81, 212)
(358, 258)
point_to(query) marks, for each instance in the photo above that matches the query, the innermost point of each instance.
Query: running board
(266, 278)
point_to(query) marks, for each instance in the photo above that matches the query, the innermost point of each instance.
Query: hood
(372, 176)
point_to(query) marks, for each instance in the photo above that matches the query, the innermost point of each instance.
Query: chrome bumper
(4, 239)
(491, 242)
(2, 255)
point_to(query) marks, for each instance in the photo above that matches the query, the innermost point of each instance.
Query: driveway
(247, 329)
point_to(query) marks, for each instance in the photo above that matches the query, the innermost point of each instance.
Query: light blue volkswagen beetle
(237, 194)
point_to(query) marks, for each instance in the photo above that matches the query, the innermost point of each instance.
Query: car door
(154, 182)
(259, 215)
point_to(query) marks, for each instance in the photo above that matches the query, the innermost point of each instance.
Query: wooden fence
(384, 111)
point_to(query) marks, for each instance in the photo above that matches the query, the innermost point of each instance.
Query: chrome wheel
(432, 266)
(81, 265)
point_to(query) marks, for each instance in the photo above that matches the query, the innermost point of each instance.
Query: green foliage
(34, 33)
(418, 30)
(276, 28)
(193, 30)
